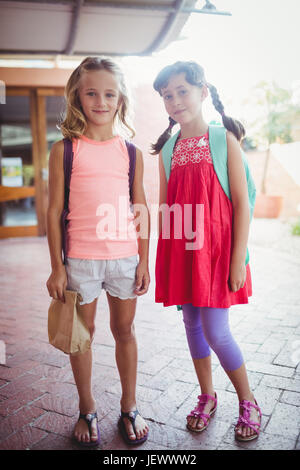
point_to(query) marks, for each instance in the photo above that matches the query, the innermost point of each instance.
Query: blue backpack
(218, 149)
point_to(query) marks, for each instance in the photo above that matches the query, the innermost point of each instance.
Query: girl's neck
(193, 129)
(99, 134)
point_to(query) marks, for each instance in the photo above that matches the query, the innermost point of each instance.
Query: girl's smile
(179, 111)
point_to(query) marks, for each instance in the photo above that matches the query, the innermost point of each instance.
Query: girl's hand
(142, 278)
(237, 277)
(57, 283)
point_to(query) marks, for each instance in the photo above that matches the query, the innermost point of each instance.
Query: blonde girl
(113, 258)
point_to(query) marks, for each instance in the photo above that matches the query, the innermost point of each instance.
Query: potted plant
(276, 113)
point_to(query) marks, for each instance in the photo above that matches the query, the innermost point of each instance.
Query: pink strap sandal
(199, 414)
(244, 420)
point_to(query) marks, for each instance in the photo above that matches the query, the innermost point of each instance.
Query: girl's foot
(199, 418)
(81, 430)
(140, 424)
(248, 425)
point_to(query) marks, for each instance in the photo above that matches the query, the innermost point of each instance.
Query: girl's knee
(216, 327)
(123, 333)
(88, 315)
(92, 329)
(217, 339)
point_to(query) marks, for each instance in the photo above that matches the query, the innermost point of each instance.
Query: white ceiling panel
(81, 27)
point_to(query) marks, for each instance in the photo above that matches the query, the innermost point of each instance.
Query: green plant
(296, 228)
(276, 114)
(28, 175)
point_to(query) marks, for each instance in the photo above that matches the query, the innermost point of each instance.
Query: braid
(232, 125)
(163, 138)
(216, 99)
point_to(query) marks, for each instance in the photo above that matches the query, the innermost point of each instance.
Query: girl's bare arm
(143, 226)
(241, 212)
(57, 281)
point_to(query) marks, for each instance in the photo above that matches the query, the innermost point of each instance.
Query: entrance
(28, 128)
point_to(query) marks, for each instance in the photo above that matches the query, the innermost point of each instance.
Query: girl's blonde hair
(74, 123)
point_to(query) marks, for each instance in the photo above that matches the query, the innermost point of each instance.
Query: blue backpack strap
(167, 152)
(132, 161)
(251, 186)
(68, 162)
(218, 149)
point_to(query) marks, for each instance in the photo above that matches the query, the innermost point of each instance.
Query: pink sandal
(244, 420)
(198, 412)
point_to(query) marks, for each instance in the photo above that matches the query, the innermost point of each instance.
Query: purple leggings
(209, 327)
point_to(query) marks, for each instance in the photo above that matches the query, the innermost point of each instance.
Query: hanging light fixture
(208, 9)
(208, 6)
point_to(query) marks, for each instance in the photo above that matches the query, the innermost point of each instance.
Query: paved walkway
(38, 401)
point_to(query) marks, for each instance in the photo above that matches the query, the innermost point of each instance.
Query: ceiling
(79, 27)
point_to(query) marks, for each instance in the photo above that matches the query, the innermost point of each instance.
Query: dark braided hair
(194, 75)
(232, 125)
(163, 137)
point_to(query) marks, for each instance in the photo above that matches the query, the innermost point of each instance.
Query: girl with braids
(115, 259)
(210, 276)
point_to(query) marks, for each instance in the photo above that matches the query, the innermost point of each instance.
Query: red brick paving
(38, 398)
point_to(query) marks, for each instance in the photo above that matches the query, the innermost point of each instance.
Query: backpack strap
(251, 185)
(218, 149)
(68, 161)
(131, 148)
(167, 152)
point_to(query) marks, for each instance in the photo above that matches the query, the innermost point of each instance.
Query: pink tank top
(101, 223)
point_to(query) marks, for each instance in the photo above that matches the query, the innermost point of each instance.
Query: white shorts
(89, 276)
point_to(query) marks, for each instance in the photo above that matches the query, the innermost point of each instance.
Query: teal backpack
(218, 149)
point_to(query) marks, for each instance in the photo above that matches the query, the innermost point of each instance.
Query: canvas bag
(68, 161)
(66, 329)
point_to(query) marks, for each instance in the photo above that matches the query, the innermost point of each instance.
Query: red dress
(196, 270)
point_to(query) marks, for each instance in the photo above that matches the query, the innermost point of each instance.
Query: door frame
(38, 123)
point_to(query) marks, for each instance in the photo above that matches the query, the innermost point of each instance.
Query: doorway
(28, 128)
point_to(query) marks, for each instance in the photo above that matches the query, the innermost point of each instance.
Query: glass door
(28, 128)
(17, 184)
